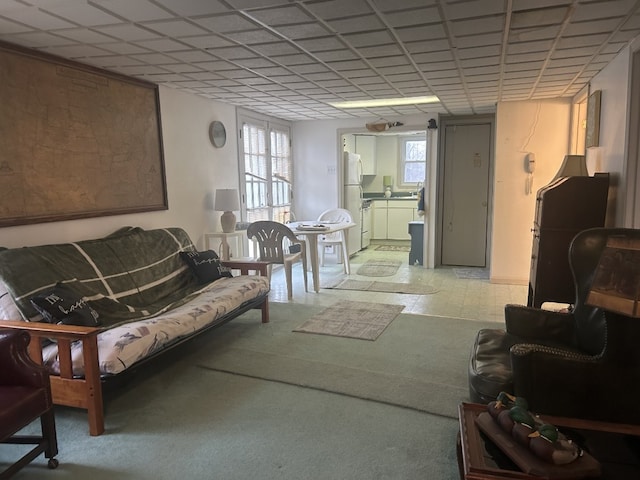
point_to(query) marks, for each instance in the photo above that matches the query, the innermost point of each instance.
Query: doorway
(465, 160)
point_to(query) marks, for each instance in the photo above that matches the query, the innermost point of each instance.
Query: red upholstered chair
(25, 396)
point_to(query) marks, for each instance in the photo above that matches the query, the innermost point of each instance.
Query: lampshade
(616, 283)
(226, 200)
(387, 181)
(573, 166)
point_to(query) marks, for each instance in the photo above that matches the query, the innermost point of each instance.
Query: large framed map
(75, 141)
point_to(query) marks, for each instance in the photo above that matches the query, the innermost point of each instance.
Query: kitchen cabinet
(365, 146)
(391, 219)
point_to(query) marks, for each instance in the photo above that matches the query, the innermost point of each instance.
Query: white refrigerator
(353, 198)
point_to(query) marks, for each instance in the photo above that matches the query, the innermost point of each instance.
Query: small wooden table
(480, 459)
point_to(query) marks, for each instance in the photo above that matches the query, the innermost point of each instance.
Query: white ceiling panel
(289, 58)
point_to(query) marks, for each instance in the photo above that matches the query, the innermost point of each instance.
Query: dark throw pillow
(206, 265)
(61, 305)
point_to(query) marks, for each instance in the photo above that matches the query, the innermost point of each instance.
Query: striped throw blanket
(131, 274)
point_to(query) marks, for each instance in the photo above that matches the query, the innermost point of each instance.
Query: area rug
(379, 268)
(472, 273)
(393, 248)
(388, 287)
(361, 320)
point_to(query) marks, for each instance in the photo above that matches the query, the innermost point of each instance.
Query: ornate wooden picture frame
(75, 141)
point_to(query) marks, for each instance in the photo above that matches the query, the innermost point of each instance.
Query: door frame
(454, 120)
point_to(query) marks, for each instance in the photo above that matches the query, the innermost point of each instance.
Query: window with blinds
(267, 171)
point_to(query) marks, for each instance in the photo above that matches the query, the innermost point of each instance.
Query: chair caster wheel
(53, 463)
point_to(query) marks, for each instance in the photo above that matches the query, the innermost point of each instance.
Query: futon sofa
(105, 306)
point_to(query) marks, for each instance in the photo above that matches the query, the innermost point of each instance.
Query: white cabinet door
(398, 218)
(365, 146)
(379, 220)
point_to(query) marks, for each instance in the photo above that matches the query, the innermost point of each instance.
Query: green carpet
(249, 400)
(420, 362)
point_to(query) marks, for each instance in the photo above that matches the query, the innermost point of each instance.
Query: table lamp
(387, 182)
(227, 201)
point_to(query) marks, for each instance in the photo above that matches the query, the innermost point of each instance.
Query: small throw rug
(472, 273)
(379, 268)
(361, 320)
(388, 287)
(393, 248)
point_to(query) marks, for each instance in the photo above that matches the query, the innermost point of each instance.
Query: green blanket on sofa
(131, 274)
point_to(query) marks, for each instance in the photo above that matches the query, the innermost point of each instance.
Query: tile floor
(474, 299)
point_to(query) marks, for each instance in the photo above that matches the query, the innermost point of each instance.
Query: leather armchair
(25, 395)
(583, 364)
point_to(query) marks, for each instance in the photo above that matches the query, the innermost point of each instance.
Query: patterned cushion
(61, 305)
(206, 265)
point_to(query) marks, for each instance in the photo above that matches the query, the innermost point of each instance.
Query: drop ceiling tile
(422, 33)
(84, 35)
(479, 52)
(8, 27)
(114, 61)
(281, 15)
(38, 39)
(129, 33)
(476, 26)
(534, 18)
(416, 16)
(81, 13)
(139, 70)
(291, 60)
(75, 51)
(252, 37)
(590, 28)
(122, 48)
(474, 8)
(192, 56)
(362, 24)
(302, 31)
(186, 68)
(153, 58)
(194, 7)
(276, 48)
(533, 34)
(430, 46)
(207, 41)
(309, 68)
(138, 11)
(378, 51)
(483, 39)
(231, 53)
(388, 61)
(343, 57)
(175, 28)
(626, 36)
(480, 62)
(321, 44)
(226, 23)
(396, 69)
(162, 45)
(36, 18)
(333, 9)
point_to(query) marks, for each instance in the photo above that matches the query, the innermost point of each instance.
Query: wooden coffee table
(616, 446)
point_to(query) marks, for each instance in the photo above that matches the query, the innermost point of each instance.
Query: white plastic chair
(336, 215)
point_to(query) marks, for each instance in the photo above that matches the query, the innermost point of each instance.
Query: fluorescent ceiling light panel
(385, 102)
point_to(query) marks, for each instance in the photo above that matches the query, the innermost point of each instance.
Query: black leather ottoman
(490, 365)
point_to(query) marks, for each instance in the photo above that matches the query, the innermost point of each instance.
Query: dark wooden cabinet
(565, 207)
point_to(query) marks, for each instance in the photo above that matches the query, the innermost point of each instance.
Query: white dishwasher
(366, 223)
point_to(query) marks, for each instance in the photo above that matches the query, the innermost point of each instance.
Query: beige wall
(522, 127)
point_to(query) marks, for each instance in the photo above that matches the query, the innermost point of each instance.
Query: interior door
(466, 194)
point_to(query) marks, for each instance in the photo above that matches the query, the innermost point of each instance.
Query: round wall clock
(217, 134)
